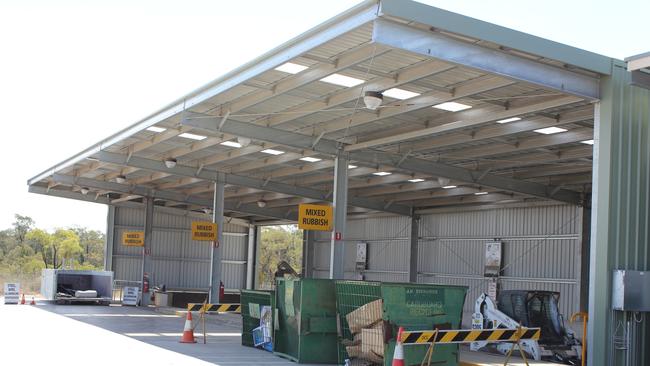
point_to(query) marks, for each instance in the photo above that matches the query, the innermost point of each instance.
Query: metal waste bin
(412, 306)
(305, 321)
(251, 307)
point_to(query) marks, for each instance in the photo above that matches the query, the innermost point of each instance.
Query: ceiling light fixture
(508, 120)
(309, 159)
(120, 179)
(449, 187)
(480, 193)
(261, 203)
(452, 106)
(381, 174)
(416, 180)
(372, 99)
(272, 152)
(587, 142)
(170, 162)
(350, 166)
(85, 190)
(550, 130)
(244, 141)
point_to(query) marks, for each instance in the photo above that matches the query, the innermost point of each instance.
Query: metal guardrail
(118, 288)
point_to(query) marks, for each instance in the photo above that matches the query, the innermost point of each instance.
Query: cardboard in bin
(364, 316)
(372, 344)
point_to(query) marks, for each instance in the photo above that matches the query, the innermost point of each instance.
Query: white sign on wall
(130, 295)
(12, 293)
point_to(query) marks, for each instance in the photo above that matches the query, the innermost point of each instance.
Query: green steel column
(621, 208)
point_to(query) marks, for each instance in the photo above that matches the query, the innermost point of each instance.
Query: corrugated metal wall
(542, 247)
(621, 204)
(177, 261)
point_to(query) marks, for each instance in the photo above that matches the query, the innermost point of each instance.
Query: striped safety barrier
(215, 308)
(470, 335)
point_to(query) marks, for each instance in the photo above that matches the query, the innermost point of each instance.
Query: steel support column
(215, 254)
(146, 250)
(110, 238)
(308, 242)
(337, 250)
(413, 248)
(250, 257)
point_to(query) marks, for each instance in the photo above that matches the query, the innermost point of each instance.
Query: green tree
(22, 226)
(278, 243)
(92, 242)
(65, 243)
(41, 241)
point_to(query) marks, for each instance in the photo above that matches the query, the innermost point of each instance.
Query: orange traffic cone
(398, 355)
(33, 301)
(188, 331)
(22, 300)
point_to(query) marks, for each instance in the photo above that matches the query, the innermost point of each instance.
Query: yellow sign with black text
(204, 231)
(133, 238)
(315, 217)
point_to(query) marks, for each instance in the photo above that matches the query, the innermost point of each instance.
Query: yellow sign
(133, 238)
(315, 217)
(204, 231)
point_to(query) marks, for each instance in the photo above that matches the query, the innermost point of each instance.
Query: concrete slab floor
(109, 335)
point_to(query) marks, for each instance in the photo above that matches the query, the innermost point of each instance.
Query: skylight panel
(291, 68)
(452, 106)
(400, 94)
(342, 80)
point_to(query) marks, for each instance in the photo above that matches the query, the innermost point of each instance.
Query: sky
(74, 72)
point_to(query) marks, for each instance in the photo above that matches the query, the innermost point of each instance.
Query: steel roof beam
(415, 165)
(211, 175)
(248, 209)
(493, 61)
(477, 121)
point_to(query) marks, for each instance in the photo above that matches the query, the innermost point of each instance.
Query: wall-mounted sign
(133, 238)
(492, 259)
(315, 217)
(204, 231)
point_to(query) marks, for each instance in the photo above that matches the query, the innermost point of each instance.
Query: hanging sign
(315, 217)
(12, 293)
(204, 231)
(133, 238)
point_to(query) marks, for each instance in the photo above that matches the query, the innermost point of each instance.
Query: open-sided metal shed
(477, 121)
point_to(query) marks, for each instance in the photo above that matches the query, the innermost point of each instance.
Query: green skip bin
(305, 323)
(412, 306)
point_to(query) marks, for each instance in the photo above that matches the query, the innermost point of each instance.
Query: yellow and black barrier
(469, 335)
(214, 308)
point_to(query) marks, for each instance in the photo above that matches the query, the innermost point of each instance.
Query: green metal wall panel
(621, 204)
